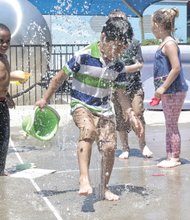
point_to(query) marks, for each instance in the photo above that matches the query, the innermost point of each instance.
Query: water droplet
(107, 174)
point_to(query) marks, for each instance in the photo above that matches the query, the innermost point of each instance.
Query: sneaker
(146, 152)
(124, 155)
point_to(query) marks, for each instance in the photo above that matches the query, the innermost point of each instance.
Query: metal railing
(42, 61)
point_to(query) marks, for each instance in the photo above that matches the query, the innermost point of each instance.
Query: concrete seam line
(35, 185)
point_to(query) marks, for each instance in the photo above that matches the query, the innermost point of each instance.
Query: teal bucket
(42, 124)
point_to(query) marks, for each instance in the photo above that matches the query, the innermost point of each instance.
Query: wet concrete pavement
(146, 192)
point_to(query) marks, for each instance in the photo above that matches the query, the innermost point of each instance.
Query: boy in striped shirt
(94, 70)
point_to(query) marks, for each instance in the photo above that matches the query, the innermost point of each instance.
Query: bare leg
(123, 135)
(142, 141)
(144, 148)
(84, 154)
(107, 166)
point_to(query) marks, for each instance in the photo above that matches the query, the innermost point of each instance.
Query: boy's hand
(19, 77)
(22, 81)
(41, 103)
(135, 123)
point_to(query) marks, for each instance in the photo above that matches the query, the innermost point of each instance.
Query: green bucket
(42, 124)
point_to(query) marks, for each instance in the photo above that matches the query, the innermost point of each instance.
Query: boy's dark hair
(118, 28)
(4, 27)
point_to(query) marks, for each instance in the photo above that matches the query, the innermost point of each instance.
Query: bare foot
(173, 162)
(111, 196)
(4, 174)
(146, 152)
(85, 187)
(124, 155)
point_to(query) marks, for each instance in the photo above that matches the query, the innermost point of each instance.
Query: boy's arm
(129, 112)
(17, 75)
(135, 122)
(119, 66)
(133, 68)
(20, 76)
(137, 58)
(55, 83)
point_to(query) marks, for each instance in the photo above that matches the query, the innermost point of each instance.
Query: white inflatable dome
(26, 23)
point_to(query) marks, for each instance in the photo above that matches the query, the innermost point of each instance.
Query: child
(5, 99)
(93, 74)
(129, 94)
(169, 81)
